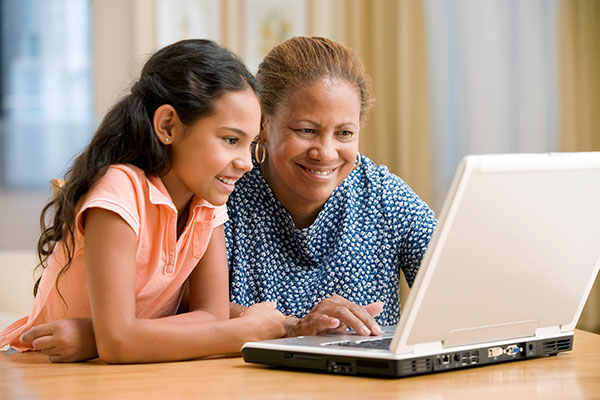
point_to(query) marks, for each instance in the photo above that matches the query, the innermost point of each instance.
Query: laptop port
(446, 359)
(464, 359)
(512, 350)
(340, 367)
(495, 352)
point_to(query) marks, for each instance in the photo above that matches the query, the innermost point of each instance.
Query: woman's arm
(236, 310)
(121, 337)
(335, 314)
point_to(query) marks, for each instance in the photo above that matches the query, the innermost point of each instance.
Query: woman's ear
(262, 136)
(166, 124)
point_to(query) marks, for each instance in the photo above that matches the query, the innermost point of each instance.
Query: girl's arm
(122, 338)
(209, 282)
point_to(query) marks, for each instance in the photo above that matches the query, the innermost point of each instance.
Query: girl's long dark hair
(190, 75)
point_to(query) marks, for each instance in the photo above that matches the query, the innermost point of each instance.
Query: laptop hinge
(547, 331)
(428, 347)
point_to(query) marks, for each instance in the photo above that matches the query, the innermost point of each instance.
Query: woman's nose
(323, 149)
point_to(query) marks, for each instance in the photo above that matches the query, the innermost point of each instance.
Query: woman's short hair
(301, 61)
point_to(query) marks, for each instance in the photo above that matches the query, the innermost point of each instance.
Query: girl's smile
(210, 155)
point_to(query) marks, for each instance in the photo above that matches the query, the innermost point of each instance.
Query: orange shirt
(163, 262)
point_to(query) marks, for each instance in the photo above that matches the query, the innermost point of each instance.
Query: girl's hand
(265, 321)
(336, 314)
(64, 340)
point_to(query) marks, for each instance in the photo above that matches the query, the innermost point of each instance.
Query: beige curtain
(580, 99)
(389, 37)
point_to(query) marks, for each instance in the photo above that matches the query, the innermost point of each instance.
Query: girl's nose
(244, 162)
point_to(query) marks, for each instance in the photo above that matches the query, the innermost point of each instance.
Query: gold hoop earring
(260, 160)
(357, 162)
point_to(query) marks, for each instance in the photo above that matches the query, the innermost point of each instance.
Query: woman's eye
(306, 130)
(346, 134)
(231, 140)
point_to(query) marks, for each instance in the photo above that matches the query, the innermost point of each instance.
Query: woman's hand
(236, 310)
(336, 314)
(64, 340)
(265, 321)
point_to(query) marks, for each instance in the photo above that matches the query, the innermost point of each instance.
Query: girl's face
(209, 156)
(312, 143)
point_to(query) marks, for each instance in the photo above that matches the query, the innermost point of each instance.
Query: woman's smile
(320, 174)
(312, 144)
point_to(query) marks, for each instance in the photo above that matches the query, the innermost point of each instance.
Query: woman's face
(312, 143)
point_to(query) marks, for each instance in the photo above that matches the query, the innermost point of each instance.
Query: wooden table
(572, 375)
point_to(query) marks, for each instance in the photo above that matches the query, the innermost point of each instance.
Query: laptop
(505, 276)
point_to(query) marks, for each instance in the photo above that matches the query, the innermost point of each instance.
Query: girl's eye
(231, 140)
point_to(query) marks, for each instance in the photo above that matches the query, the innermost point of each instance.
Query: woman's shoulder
(250, 189)
(378, 178)
(387, 190)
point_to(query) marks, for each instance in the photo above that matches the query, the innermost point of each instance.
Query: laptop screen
(516, 250)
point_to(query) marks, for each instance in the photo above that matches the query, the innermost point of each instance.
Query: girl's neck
(182, 218)
(181, 199)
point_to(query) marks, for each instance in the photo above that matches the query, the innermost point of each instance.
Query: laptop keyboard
(383, 343)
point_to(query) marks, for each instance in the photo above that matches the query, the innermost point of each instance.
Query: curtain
(493, 79)
(389, 37)
(580, 100)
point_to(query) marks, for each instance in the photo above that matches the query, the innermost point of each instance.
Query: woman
(316, 227)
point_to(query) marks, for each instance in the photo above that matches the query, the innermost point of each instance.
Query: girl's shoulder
(122, 177)
(124, 171)
(123, 182)
(123, 189)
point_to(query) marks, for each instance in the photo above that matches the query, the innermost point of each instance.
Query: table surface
(570, 375)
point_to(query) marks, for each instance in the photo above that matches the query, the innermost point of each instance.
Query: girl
(142, 212)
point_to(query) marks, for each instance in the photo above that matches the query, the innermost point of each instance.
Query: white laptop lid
(515, 253)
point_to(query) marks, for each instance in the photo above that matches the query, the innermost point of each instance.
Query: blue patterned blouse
(372, 224)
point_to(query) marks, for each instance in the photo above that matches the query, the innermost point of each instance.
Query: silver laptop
(505, 277)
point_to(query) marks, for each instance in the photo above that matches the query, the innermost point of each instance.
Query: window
(47, 113)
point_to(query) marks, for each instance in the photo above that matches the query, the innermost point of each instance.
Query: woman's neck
(302, 218)
(303, 212)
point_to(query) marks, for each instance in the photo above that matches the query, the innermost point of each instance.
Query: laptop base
(394, 368)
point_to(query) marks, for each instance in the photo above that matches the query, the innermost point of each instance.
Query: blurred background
(450, 77)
